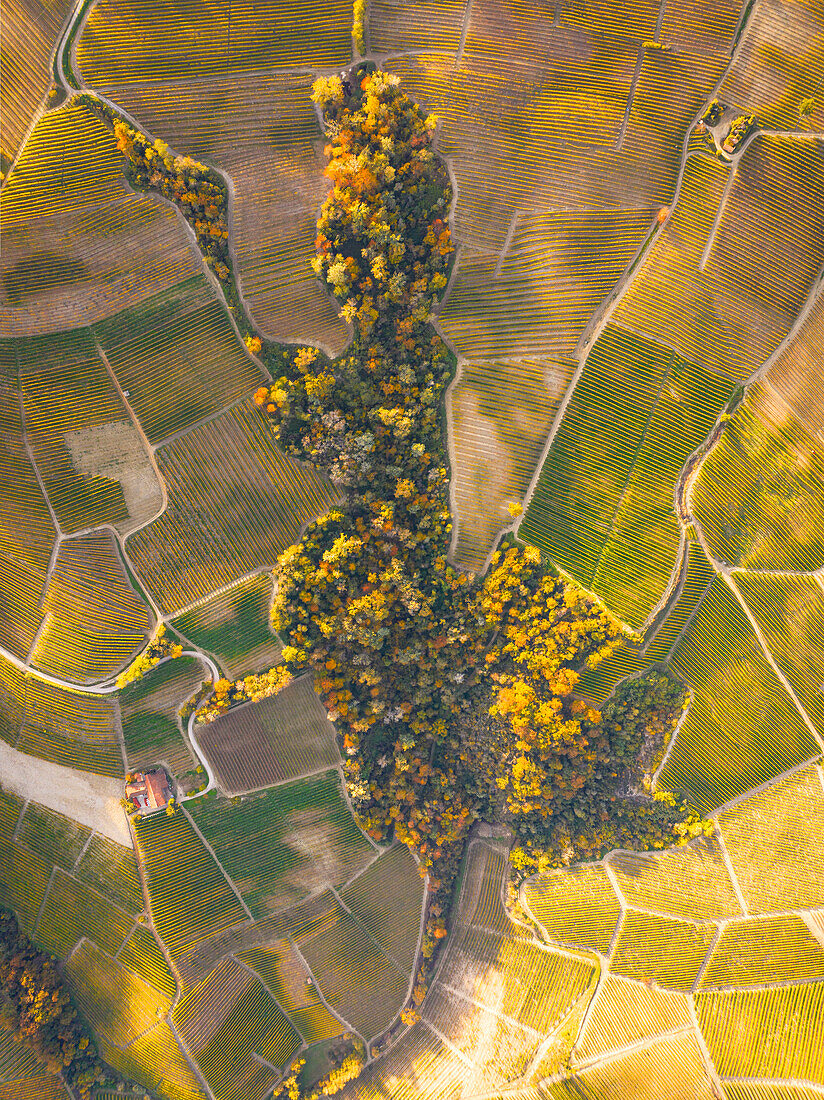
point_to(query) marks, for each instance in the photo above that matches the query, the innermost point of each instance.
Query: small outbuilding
(149, 790)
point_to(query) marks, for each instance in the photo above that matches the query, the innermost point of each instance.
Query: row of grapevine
(417, 25)
(697, 581)
(263, 132)
(626, 1012)
(774, 83)
(777, 1033)
(498, 1049)
(178, 358)
(114, 1000)
(690, 881)
(235, 502)
(286, 842)
(66, 727)
(142, 955)
(499, 415)
(243, 1021)
(775, 839)
(765, 951)
(386, 899)
(111, 869)
(283, 737)
(732, 686)
(190, 898)
(78, 244)
(73, 910)
(672, 1067)
(155, 1058)
(280, 970)
(30, 30)
(67, 363)
(356, 978)
(173, 44)
(577, 906)
(149, 710)
(234, 627)
(94, 620)
(53, 836)
(662, 950)
(26, 525)
(419, 1067)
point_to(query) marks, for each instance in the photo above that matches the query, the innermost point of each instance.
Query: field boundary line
(83, 851)
(493, 1011)
(544, 1045)
(510, 233)
(193, 1066)
(259, 978)
(19, 822)
(366, 931)
(719, 932)
(217, 592)
(213, 854)
(164, 492)
(706, 1057)
(351, 881)
(673, 736)
(284, 782)
(459, 1054)
(791, 1082)
(616, 1053)
(636, 74)
(722, 206)
(739, 798)
(43, 902)
(763, 643)
(319, 991)
(616, 886)
(731, 870)
(464, 31)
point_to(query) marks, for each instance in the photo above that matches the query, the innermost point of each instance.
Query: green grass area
(662, 950)
(190, 897)
(576, 906)
(281, 844)
(733, 687)
(234, 627)
(54, 837)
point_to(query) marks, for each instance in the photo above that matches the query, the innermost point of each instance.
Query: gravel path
(93, 800)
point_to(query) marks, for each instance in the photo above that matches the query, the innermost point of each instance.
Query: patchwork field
(259, 744)
(235, 502)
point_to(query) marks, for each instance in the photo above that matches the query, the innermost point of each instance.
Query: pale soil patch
(115, 451)
(499, 418)
(92, 800)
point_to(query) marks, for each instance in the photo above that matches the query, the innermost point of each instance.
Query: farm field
(262, 131)
(149, 710)
(233, 626)
(637, 319)
(78, 244)
(285, 843)
(235, 502)
(276, 739)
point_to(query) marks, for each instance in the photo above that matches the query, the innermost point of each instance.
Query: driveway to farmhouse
(93, 800)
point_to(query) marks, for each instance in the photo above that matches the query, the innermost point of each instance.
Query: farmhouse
(148, 790)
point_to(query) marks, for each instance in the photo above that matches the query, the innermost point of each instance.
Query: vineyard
(281, 738)
(233, 626)
(636, 307)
